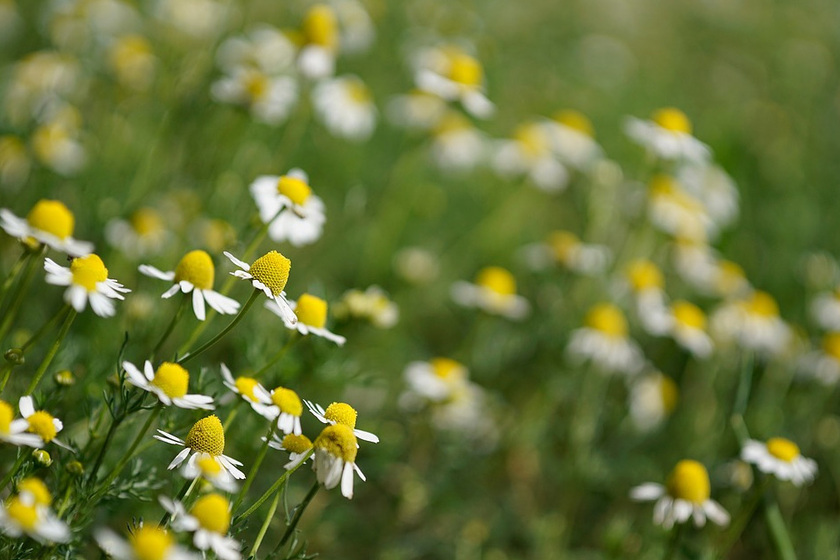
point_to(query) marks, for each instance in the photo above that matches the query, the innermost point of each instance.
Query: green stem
(13, 273)
(45, 328)
(128, 455)
(254, 468)
(175, 318)
(186, 490)
(674, 543)
(239, 316)
(269, 516)
(19, 291)
(21, 458)
(276, 358)
(742, 397)
(778, 530)
(65, 328)
(115, 423)
(232, 414)
(274, 487)
(298, 514)
(6, 371)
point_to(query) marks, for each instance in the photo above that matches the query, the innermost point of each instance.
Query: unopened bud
(42, 457)
(75, 468)
(65, 378)
(14, 356)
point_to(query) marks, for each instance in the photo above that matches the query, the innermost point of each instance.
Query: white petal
(149, 270)
(243, 265)
(198, 304)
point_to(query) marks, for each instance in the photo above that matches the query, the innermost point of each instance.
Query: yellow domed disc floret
(320, 26)
(7, 414)
(689, 481)
(576, 121)
(25, 515)
(294, 188)
(311, 311)
(41, 423)
(212, 512)
(52, 217)
(272, 270)
(673, 120)
(465, 69)
(762, 304)
(287, 401)
(209, 466)
(296, 444)
(830, 345)
(608, 319)
(196, 267)
(644, 275)
(37, 488)
(146, 221)
(670, 394)
(339, 441)
(150, 543)
(497, 280)
(341, 413)
(88, 271)
(172, 379)
(689, 315)
(207, 436)
(446, 368)
(562, 243)
(246, 386)
(782, 449)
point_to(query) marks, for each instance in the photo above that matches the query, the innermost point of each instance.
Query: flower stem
(674, 542)
(778, 530)
(742, 397)
(13, 273)
(127, 456)
(45, 328)
(17, 294)
(298, 514)
(254, 468)
(172, 323)
(6, 479)
(239, 316)
(65, 328)
(269, 516)
(274, 487)
(276, 358)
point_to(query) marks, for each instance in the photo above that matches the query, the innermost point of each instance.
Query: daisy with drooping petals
(781, 458)
(284, 405)
(247, 387)
(195, 273)
(141, 234)
(41, 422)
(433, 381)
(169, 383)
(653, 397)
(454, 75)
(209, 521)
(345, 106)
(206, 439)
(494, 291)
(668, 136)
(28, 512)
(754, 323)
(270, 99)
(49, 222)
(208, 468)
(145, 542)
(335, 458)
(298, 447)
(688, 327)
(296, 215)
(530, 153)
(311, 313)
(87, 281)
(269, 274)
(605, 341)
(14, 431)
(340, 413)
(685, 494)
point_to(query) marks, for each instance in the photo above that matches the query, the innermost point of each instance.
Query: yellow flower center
(688, 315)
(831, 345)
(465, 69)
(287, 401)
(446, 368)
(452, 121)
(294, 188)
(497, 280)
(532, 138)
(608, 319)
(562, 243)
(196, 267)
(320, 27)
(88, 271)
(172, 379)
(37, 488)
(146, 221)
(645, 275)
(272, 270)
(762, 304)
(575, 120)
(256, 85)
(296, 444)
(213, 513)
(25, 515)
(673, 120)
(150, 543)
(7, 414)
(341, 413)
(670, 393)
(663, 186)
(358, 91)
(311, 311)
(689, 481)
(782, 449)
(52, 217)
(209, 466)
(246, 386)
(207, 436)
(730, 276)
(41, 423)
(339, 441)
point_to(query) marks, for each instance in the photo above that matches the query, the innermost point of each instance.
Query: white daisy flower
(604, 341)
(340, 413)
(87, 281)
(195, 273)
(206, 439)
(355, 26)
(264, 48)
(143, 543)
(434, 381)
(298, 447)
(566, 249)
(269, 274)
(321, 41)
(454, 75)
(270, 99)
(28, 512)
(248, 388)
(285, 406)
(688, 327)
(456, 144)
(825, 309)
(41, 422)
(494, 291)
(209, 521)
(653, 398)
(781, 458)
(824, 364)
(373, 304)
(346, 108)
(674, 211)
(667, 136)
(335, 458)
(685, 495)
(207, 467)
(573, 139)
(169, 383)
(49, 222)
(417, 110)
(296, 215)
(311, 313)
(143, 233)
(714, 188)
(14, 431)
(56, 140)
(753, 322)
(530, 153)
(647, 285)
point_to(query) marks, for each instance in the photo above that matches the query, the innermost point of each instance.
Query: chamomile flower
(264, 48)
(529, 153)
(335, 458)
(373, 304)
(143, 233)
(433, 381)
(169, 383)
(573, 139)
(40, 422)
(340, 413)
(688, 327)
(206, 439)
(494, 291)
(457, 145)
(647, 284)
(208, 468)
(713, 188)
(133, 61)
(14, 431)
(667, 136)
(605, 342)
(247, 387)
(567, 250)
(56, 142)
(781, 458)
(298, 446)
(195, 273)
(653, 397)
(345, 106)
(825, 309)
(455, 75)
(269, 274)
(284, 405)
(321, 41)
(753, 322)
(209, 521)
(296, 214)
(49, 222)
(311, 313)
(674, 211)
(87, 281)
(270, 99)
(685, 495)
(144, 543)
(28, 512)
(417, 110)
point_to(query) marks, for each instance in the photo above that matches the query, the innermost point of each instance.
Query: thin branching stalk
(65, 328)
(210, 343)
